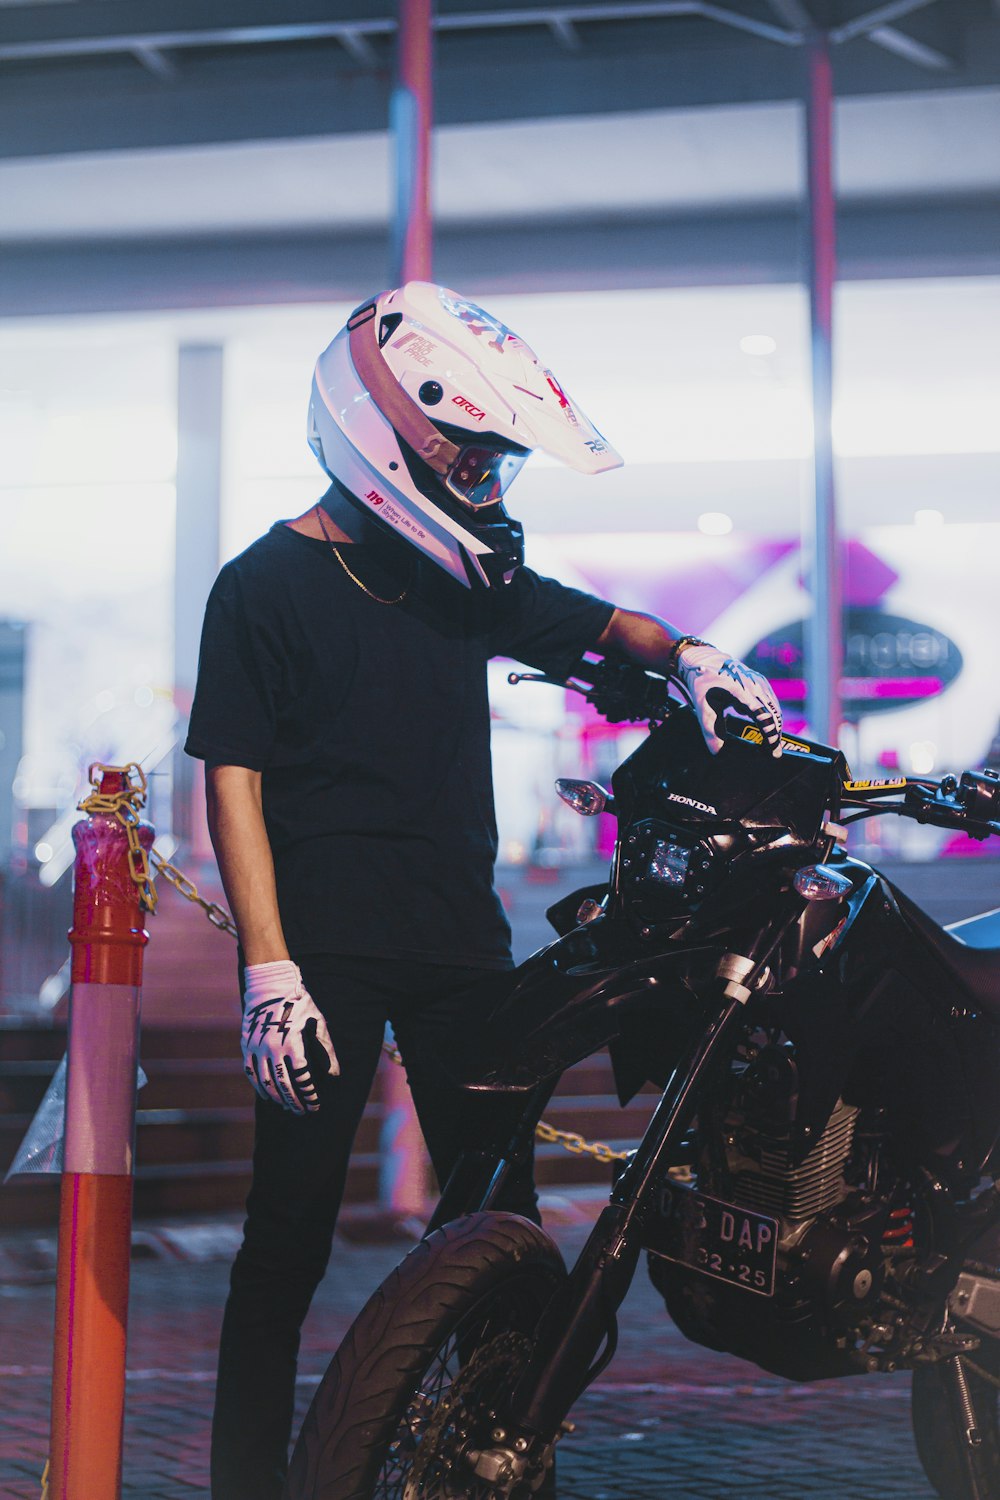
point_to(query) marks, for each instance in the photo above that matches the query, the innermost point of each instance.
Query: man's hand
(278, 1016)
(714, 681)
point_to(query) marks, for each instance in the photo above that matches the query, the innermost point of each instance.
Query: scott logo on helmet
(474, 411)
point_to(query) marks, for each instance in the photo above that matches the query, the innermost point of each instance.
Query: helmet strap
(396, 406)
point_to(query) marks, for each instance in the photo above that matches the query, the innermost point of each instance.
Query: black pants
(299, 1168)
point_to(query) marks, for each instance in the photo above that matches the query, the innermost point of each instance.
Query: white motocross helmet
(423, 410)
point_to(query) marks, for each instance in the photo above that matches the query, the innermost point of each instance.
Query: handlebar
(970, 802)
(623, 692)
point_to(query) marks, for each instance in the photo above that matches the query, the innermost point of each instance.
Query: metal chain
(185, 886)
(576, 1145)
(125, 806)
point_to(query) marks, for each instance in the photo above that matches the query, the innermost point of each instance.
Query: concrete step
(195, 1114)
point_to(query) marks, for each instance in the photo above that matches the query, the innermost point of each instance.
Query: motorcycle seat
(969, 950)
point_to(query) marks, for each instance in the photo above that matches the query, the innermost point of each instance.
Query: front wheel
(416, 1389)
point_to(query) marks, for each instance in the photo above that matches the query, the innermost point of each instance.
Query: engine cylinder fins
(767, 1181)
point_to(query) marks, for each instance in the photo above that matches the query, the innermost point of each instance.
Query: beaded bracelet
(678, 647)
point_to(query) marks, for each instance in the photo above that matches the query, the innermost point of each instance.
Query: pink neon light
(793, 689)
(894, 687)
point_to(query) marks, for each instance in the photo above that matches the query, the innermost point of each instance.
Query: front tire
(466, 1300)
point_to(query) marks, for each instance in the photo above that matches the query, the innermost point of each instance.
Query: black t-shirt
(370, 723)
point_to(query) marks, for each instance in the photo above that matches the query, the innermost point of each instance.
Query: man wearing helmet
(342, 713)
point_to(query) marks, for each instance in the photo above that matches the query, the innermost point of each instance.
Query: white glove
(278, 1014)
(714, 681)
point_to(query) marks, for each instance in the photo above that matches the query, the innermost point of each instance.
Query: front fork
(478, 1178)
(581, 1316)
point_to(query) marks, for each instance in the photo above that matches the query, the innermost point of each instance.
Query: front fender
(567, 1001)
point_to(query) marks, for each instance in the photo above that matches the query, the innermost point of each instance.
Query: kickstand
(963, 1414)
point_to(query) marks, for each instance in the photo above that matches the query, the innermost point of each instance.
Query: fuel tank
(586, 991)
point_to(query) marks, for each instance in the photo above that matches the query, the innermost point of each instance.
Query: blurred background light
(758, 344)
(923, 755)
(715, 523)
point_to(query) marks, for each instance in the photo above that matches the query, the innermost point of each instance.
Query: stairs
(195, 1116)
(194, 1124)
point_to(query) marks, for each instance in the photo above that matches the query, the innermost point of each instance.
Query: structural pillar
(199, 500)
(410, 120)
(403, 1167)
(824, 630)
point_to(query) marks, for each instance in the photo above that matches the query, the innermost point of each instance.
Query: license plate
(719, 1239)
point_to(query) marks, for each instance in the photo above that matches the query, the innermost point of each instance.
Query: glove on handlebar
(279, 1016)
(714, 681)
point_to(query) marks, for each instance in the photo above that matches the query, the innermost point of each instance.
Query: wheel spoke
(450, 1406)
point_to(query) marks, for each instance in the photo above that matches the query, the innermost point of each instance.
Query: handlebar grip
(623, 692)
(979, 795)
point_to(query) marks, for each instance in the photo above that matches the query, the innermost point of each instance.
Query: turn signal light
(585, 797)
(820, 883)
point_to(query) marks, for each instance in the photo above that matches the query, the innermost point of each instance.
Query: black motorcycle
(815, 1186)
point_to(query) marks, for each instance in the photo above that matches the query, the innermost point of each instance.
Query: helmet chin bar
(499, 566)
(483, 555)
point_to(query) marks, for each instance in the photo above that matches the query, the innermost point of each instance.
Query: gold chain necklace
(353, 576)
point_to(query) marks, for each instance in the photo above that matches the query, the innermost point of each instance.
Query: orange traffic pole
(107, 937)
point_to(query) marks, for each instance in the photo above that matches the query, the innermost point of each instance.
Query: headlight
(660, 863)
(669, 862)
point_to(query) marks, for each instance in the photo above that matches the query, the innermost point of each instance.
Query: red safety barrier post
(111, 889)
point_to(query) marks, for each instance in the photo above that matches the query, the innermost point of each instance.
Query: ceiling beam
(359, 46)
(565, 33)
(923, 56)
(76, 43)
(950, 238)
(280, 93)
(882, 15)
(793, 13)
(156, 62)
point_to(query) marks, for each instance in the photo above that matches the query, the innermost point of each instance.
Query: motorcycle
(815, 1189)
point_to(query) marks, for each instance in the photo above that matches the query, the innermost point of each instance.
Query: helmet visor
(481, 473)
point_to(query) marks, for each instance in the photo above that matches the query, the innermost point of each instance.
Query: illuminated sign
(889, 662)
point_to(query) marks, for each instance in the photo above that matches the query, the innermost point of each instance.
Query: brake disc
(464, 1420)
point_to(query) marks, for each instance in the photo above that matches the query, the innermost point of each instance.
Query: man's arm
(278, 1014)
(239, 838)
(712, 680)
(644, 639)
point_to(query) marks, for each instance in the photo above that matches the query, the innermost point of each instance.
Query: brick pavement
(666, 1417)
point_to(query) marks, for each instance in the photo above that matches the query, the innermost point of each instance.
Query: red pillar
(411, 116)
(403, 1167)
(88, 1384)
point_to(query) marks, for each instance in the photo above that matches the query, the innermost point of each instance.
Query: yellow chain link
(186, 887)
(125, 805)
(576, 1145)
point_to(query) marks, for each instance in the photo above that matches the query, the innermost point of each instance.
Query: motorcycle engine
(830, 1264)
